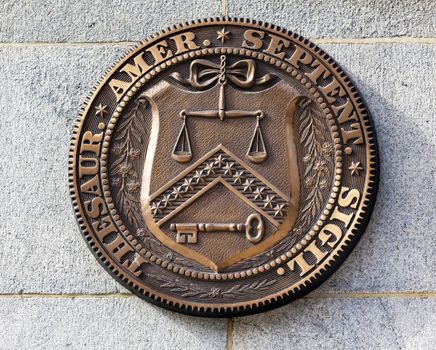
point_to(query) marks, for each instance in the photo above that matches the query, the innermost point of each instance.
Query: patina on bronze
(223, 167)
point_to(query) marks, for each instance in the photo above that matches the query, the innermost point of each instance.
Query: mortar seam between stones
(229, 339)
(224, 8)
(343, 41)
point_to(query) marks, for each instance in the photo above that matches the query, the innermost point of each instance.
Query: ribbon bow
(204, 74)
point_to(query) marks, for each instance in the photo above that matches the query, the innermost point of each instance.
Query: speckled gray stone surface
(100, 20)
(341, 324)
(41, 94)
(103, 323)
(343, 19)
(45, 87)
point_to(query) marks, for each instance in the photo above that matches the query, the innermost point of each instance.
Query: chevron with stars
(223, 166)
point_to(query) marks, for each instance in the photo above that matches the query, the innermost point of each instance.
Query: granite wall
(53, 293)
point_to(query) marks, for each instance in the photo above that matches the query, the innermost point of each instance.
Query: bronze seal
(223, 167)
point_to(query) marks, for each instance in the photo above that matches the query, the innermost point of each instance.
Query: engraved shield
(221, 182)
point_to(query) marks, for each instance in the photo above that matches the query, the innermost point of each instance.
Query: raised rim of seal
(314, 279)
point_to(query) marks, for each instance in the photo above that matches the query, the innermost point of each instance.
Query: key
(253, 228)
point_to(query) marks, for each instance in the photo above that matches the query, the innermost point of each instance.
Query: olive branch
(316, 158)
(317, 170)
(130, 133)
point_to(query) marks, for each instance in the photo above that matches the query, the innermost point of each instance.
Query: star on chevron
(228, 168)
(219, 161)
(187, 184)
(355, 168)
(258, 192)
(223, 35)
(166, 200)
(279, 209)
(209, 168)
(198, 176)
(268, 201)
(248, 185)
(156, 208)
(177, 192)
(101, 110)
(237, 176)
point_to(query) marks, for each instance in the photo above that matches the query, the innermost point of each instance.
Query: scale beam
(222, 114)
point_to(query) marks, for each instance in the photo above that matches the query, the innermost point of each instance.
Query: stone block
(103, 323)
(341, 324)
(343, 19)
(41, 93)
(97, 21)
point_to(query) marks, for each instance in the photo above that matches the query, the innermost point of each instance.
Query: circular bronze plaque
(223, 167)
